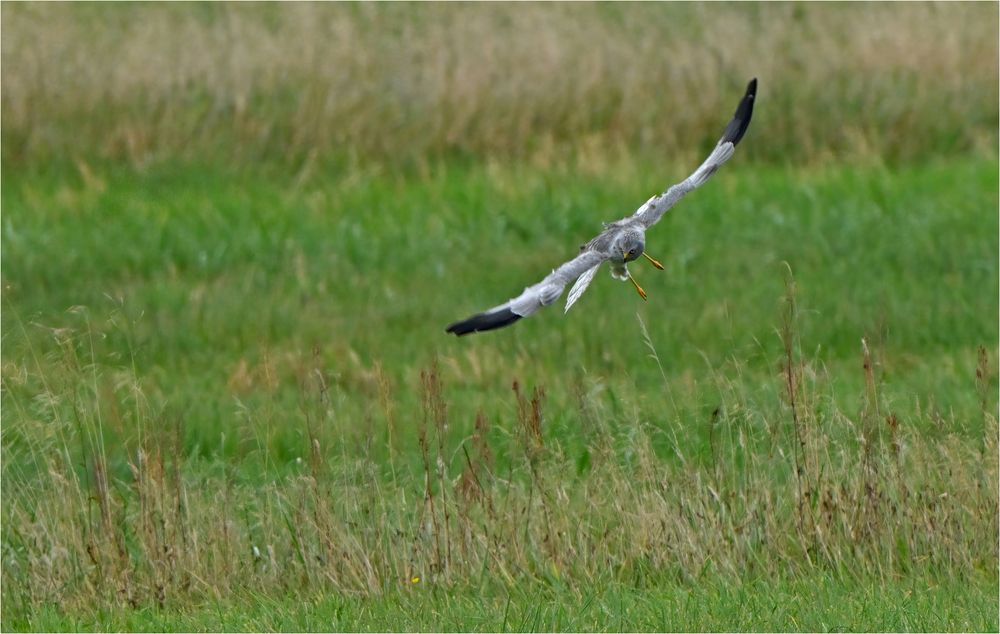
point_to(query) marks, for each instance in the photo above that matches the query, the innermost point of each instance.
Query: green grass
(818, 604)
(205, 270)
(198, 362)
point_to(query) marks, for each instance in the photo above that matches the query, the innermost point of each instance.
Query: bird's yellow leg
(642, 293)
(652, 261)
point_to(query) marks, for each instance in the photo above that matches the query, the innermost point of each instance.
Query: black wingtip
(483, 322)
(741, 119)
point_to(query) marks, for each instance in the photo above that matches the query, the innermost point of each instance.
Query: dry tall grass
(94, 517)
(398, 83)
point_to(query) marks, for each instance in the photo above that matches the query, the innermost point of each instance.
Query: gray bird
(621, 242)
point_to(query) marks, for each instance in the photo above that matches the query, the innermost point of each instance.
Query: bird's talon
(652, 261)
(638, 288)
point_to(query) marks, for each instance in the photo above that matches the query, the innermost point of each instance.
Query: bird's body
(618, 244)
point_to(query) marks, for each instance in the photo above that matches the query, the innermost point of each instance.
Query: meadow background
(233, 234)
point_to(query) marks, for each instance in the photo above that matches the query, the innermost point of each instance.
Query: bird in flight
(621, 242)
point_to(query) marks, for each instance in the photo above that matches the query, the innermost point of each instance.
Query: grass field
(233, 236)
(808, 604)
(405, 86)
(228, 397)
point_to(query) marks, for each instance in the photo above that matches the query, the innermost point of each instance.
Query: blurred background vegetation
(395, 84)
(233, 235)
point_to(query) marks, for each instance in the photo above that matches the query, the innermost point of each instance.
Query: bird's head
(631, 244)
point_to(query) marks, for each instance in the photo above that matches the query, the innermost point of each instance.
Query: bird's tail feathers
(580, 286)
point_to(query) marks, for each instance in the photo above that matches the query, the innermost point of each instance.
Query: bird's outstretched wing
(654, 208)
(533, 298)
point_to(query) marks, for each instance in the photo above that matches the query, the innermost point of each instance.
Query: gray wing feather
(548, 290)
(654, 208)
(531, 299)
(580, 286)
